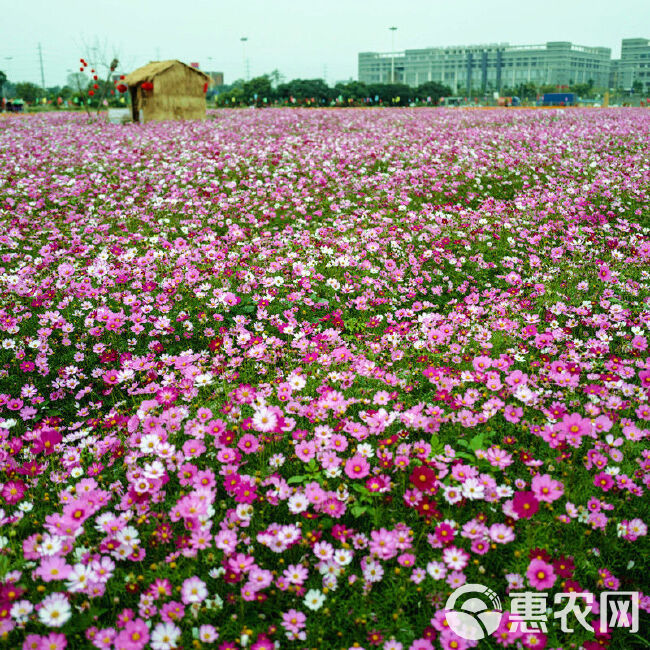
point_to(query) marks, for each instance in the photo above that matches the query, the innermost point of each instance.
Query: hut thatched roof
(151, 70)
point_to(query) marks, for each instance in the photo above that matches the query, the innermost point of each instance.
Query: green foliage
(432, 89)
(392, 94)
(313, 90)
(259, 91)
(355, 91)
(29, 91)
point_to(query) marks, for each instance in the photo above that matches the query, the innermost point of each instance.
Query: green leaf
(476, 442)
(436, 446)
(297, 479)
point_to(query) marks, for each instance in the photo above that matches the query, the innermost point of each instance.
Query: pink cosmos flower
(604, 274)
(456, 579)
(480, 547)
(134, 636)
(15, 404)
(305, 450)
(383, 544)
(546, 489)
(53, 568)
(357, 467)
(293, 620)
(540, 575)
(172, 611)
(481, 364)
(248, 443)
(333, 508)
(501, 534)
(13, 491)
(208, 633)
(575, 425)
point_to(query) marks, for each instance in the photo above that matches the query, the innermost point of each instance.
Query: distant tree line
(315, 92)
(261, 91)
(266, 90)
(75, 90)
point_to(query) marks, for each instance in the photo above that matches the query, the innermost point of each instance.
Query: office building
(473, 69)
(217, 78)
(633, 66)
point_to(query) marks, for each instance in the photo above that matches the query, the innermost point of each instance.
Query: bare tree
(100, 57)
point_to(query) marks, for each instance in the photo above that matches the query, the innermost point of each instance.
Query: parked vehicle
(15, 106)
(559, 99)
(508, 101)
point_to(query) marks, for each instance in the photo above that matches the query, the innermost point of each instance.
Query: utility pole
(392, 53)
(244, 40)
(40, 58)
(7, 58)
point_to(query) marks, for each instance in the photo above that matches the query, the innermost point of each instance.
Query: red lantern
(147, 85)
(95, 77)
(121, 76)
(91, 92)
(81, 69)
(122, 88)
(205, 87)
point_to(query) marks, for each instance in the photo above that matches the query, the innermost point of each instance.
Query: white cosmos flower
(333, 472)
(21, 610)
(79, 577)
(472, 489)
(343, 557)
(314, 599)
(298, 503)
(165, 636)
(296, 382)
(50, 545)
(55, 610)
(204, 379)
(264, 420)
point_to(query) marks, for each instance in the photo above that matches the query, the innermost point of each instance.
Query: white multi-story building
(485, 68)
(633, 66)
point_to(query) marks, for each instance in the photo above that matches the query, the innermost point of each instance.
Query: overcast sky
(300, 38)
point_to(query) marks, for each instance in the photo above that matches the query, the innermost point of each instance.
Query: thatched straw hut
(167, 90)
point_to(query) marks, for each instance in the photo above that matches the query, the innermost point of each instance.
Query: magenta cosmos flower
(603, 481)
(525, 504)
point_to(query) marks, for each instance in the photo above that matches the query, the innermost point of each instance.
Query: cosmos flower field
(287, 378)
